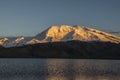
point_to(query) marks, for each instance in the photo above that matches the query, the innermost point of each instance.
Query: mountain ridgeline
(63, 42)
(61, 33)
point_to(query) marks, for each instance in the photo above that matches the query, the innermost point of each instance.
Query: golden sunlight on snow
(2, 41)
(62, 33)
(65, 32)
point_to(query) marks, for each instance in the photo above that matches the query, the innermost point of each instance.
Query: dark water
(59, 69)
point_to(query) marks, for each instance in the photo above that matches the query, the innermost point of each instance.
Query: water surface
(59, 69)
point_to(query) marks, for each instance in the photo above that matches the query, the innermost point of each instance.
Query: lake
(59, 69)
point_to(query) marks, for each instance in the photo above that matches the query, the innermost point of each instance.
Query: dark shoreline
(65, 50)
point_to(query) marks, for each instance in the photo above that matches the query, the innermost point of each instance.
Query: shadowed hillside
(67, 49)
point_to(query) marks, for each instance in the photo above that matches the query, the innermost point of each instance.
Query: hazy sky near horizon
(29, 17)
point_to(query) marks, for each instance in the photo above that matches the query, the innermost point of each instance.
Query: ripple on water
(59, 69)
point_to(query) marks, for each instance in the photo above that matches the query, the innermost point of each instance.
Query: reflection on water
(59, 69)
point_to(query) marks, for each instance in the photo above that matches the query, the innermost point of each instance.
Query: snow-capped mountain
(65, 32)
(33, 41)
(3, 40)
(14, 41)
(62, 33)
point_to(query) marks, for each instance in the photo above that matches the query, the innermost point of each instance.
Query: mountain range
(59, 34)
(64, 41)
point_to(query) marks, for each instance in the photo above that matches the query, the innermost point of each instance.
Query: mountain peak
(66, 32)
(62, 33)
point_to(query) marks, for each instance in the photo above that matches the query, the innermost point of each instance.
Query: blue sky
(29, 17)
